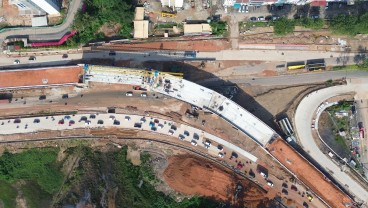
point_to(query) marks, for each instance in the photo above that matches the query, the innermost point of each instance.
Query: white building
(37, 7)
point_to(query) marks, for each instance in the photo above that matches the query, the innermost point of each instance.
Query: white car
(16, 61)
(263, 175)
(129, 94)
(221, 155)
(194, 143)
(207, 143)
(270, 183)
(143, 94)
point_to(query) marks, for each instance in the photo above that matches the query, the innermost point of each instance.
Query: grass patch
(7, 194)
(35, 199)
(38, 165)
(348, 68)
(165, 26)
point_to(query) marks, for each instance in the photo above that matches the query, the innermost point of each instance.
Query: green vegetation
(165, 26)
(34, 198)
(96, 13)
(7, 194)
(315, 24)
(37, 165)
(363, 65)
(218, 28)
(329, 83)
(134, 184)
(346, 67)
(283, 26)
(341, 106)
(3, 25)
(129, 176)
(350, 25)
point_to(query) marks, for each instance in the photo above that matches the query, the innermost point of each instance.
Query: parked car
(268, 18)
(71, 122)
(143, 94)
(16, 61)
(221, 155)
(284, 191)
(112, 53)
(194, 142)
(252, 174)
(220, 148)
(100, 122)
(181, 137)
(61, 121)
(261, 18)
(129, 94)
(186, 133)
(65, 56)
(137, 125)
(116, 122)
(195, 136)
(207, 143)
(274, 17)
(36, 120)
(270, 183)
(67, 117)
(171, 132)
(32, 58)
(294, 188)
(284, 185)
(92, 116)
(253, 19)
(127, 118)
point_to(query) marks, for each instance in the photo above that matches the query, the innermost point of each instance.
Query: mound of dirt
(196, 176)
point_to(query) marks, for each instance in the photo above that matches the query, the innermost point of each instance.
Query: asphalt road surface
(312, 77)
(303, 119)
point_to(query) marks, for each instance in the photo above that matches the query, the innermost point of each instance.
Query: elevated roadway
(303, 120)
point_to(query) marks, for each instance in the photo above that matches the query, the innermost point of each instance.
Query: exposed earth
(193, 176)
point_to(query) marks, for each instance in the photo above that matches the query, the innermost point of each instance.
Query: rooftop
(40, 76)
(203, 28)
(141, 29)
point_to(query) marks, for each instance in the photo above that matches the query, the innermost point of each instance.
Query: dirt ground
(57, 75)
(193, 176)
(314, 40)
(190, 44)
(308, 174)
(10, 13)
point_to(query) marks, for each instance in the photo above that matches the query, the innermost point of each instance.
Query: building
(140, 25)
(37, 7)
(197, 29)
(172, 3)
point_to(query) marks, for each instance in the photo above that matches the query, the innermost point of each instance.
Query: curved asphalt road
(303, 119)
(45, 33)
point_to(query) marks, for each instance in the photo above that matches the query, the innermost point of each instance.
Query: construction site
(101, 89)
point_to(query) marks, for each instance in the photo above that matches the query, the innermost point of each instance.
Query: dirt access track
(308, 174)
(191, 175)
(40, 76)
(181, 45)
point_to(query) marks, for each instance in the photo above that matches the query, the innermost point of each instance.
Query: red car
(61, 122)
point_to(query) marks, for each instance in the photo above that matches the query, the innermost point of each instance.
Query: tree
(218, 28)
(283, 26)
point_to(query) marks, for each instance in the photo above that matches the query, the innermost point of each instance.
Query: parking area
(185, 133)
